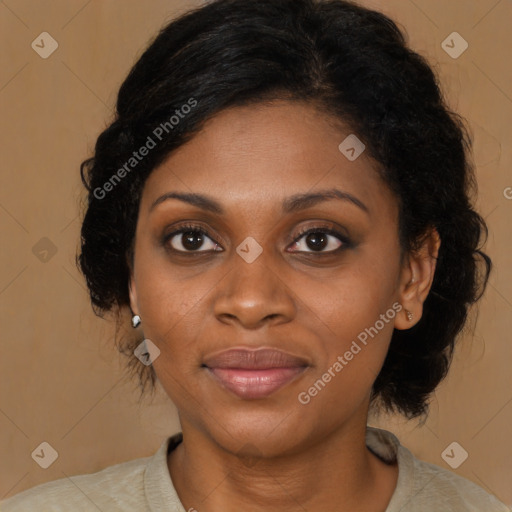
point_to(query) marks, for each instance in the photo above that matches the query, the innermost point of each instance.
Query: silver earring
(135, 321)
(409, 315)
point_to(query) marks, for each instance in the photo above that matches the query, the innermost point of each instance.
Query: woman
(283, 204)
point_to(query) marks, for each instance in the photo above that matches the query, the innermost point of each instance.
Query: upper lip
(254, 359)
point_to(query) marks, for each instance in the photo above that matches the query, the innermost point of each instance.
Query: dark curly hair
(352, 63)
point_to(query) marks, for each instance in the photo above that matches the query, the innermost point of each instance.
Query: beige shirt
(144, 485)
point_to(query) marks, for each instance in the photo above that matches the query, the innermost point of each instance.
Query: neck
(337, 473)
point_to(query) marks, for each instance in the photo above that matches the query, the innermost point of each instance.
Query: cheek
(172, 319)
(354, 314)
(172, 307)
(354, 352)
(353, 298)
(356, 325)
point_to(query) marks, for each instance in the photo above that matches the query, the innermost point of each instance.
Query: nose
(253, 294)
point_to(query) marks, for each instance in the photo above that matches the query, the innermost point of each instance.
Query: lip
(254, 373)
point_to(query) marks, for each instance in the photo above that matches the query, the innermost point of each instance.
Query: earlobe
(417, 278)
(136, 320)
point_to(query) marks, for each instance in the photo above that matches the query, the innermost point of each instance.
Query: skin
(274, 453)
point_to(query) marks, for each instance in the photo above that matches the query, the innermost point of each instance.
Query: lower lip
(254, 384)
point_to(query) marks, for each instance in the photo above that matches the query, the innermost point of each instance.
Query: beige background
(61, 379)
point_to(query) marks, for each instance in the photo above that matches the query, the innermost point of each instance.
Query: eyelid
(323, 227)
(187, 227)
(326, 227)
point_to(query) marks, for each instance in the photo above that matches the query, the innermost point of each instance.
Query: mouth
(254, 374)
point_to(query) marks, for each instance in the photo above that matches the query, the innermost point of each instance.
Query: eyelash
(187, 228)
(346, 243)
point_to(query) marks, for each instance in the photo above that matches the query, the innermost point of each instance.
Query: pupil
(190, 241)
(316, 240)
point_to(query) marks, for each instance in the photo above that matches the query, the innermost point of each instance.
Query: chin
(259, 432)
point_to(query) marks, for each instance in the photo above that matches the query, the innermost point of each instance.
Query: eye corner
(197, 230)
(325, 227)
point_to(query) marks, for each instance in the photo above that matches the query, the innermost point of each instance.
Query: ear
(132, 290)
(416, 279)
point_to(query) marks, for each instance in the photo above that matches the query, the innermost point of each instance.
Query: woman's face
(253, 280)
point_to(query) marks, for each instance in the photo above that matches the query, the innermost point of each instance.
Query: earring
(135, 321)
(409, 315)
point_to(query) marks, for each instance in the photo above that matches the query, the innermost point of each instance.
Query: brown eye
(317, 241)
(191, 239)
(320, 240)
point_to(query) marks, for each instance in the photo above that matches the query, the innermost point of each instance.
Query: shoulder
(432, 486)
(452, 491)
(116, 488)
(424, 487)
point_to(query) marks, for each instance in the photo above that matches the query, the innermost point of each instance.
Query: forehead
(252, 157)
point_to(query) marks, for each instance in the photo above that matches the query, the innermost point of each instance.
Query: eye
(190, 238)
(321, 240)
(195, 239)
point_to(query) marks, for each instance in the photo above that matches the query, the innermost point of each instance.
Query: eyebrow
(291, 204)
